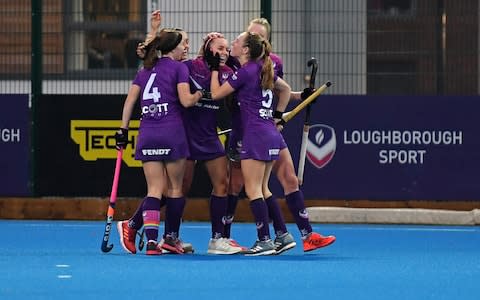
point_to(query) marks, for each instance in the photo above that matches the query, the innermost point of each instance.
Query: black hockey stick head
(312, 62)
(105, 247)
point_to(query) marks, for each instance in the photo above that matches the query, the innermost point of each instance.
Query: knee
(289, 182)
(221, 188)
(235, 186)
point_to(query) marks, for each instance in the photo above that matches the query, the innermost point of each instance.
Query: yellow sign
(96, 140)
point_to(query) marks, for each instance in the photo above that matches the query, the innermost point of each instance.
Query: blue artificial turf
(62, 260)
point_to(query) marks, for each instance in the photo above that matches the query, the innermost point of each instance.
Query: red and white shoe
(127, 236)
(153, 248)
(187, 248)
(173, 245)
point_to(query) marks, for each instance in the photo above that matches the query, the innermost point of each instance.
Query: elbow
(187, 103)
(190, 100)
(214, 93)
(288, 94)
(288, 89)
(215, 96)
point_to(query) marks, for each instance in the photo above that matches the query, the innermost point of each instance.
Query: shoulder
(244, 74)
(143, 72)
(252, 66)
(180, 65)
(188, 63)
(198, 65)
(172, 63)
(276, 58)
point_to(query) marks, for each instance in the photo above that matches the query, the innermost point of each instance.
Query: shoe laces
(224, 244)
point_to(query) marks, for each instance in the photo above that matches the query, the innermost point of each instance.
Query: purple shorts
(261, 145)
(205, 149)
(283, 144)
(235, 146)
(161, 142)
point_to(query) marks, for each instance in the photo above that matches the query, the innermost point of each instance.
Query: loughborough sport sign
(391, 148)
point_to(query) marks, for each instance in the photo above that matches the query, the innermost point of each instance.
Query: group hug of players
(179, 99)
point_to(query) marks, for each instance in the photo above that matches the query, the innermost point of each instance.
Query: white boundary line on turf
(401, 227)
(63, 267)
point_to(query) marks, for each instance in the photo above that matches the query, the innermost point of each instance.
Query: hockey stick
(289, 115)
(306, 125)
(141, 242)
(221, 132)
(111, 204)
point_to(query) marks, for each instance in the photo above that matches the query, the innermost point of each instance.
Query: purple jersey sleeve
(139, 78)
(238, 79)
(277, 64)
(183, 74)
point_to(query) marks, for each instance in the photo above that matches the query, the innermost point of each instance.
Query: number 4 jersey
(159, 96)
(161, 134)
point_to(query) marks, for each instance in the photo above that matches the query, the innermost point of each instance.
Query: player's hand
(306, 93)
(278, 124)
(206, 94)
(141, 51)
(213, 61)
(155, 20)
(121, 138)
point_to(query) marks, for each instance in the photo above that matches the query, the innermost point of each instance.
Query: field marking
(393, 228)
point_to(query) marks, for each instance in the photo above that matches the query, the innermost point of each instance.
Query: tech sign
(390, 148)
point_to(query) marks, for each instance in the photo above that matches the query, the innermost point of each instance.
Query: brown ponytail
(260, 49)
(151, 55)
(267, 68)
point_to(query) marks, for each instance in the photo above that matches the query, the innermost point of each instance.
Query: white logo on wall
(402, 146)
(321, 145)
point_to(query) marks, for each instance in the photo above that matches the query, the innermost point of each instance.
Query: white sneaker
(222, 246)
